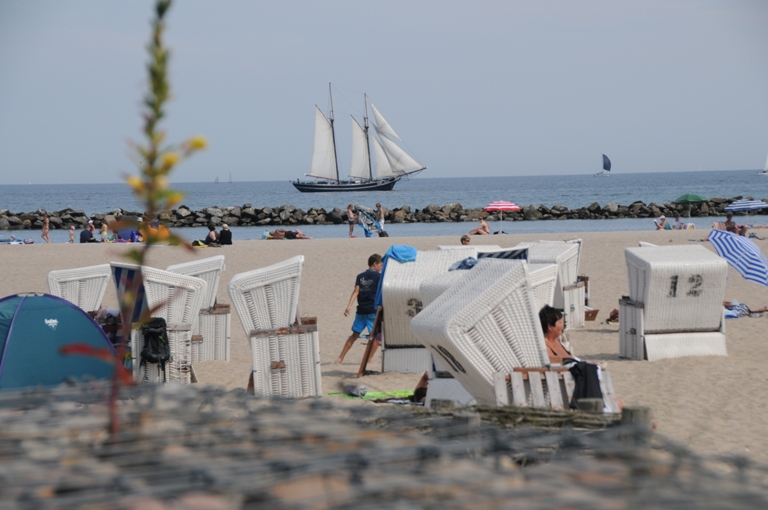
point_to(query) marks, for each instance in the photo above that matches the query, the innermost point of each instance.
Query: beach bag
(383, 233)
(156, 347)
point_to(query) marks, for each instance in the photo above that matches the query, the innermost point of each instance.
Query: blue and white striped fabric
(505, 253)
(746, 205)
(124, 276)
(742, 254)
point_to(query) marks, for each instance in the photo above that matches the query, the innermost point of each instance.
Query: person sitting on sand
(482, 230)
(225, 236)
(212, 239)
(661, 223)
(366, 284)
(677, 224)
(288, 234)
(730, 226)
(465, 239)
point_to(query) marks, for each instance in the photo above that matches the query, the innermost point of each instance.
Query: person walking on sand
(351, 219)
(46, 229)
(72, 234)
(366, 285)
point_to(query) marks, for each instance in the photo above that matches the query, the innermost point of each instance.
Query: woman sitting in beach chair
(552, 325)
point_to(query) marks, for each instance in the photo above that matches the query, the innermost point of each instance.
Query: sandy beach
(712, 405)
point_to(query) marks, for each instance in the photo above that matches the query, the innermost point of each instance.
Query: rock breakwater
(247, 215)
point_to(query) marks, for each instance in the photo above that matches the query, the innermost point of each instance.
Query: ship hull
(338, 186)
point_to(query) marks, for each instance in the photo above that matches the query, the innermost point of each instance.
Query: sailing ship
(606, 167)
(764, 173)
(392, 162)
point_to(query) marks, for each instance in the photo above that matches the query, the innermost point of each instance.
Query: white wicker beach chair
(401, 287)
(177, 369)
(179, 297)
(267, 298)
(402, 301)
(286, 362)
(285, 351)
(543, 279)
(211, 332)
(209, 269)
(83, 286)
(547, 387)
(566, 255)
(486, 322)
(675, 303)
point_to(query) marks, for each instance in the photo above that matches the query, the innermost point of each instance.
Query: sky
(484, 88)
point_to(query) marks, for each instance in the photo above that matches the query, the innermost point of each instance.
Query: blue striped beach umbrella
(746, 205)
(742, 254)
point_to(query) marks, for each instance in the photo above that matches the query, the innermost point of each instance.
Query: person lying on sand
(482, 230)
(734, 309)
(288, 234)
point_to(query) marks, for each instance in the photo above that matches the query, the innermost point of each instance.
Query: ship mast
(367, 141)
(333, 135)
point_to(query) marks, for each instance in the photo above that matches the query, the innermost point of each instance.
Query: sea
(572, 191)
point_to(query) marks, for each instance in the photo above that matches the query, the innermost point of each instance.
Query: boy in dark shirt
(366, 285)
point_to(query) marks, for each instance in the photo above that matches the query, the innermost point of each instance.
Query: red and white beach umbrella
(501, 206)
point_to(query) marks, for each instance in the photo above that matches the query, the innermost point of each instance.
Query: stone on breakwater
(289, 214)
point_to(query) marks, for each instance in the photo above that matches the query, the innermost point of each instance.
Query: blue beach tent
(33, 327)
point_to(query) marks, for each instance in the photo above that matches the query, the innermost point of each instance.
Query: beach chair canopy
(83, 286)
(33, 328)
(209, 269)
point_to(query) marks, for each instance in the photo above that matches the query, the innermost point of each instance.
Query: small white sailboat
(392, 162)
(764, 173)
(606, 167)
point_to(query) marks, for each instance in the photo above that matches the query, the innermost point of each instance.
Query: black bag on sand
(156, 347)
(383, 233)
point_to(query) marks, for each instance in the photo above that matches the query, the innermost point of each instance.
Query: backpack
(156, 347)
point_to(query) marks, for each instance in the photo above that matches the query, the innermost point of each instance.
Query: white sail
(382, 126)
(361, 164)
(324, 153)
(766, 165)
(383, 168)
(400, 161)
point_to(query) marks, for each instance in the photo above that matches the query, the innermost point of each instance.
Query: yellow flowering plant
(151, 187)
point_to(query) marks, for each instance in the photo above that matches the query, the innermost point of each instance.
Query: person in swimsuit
(288, 234)
(212, 238)
(72, 234)
(380, 216)
(46, 228)
(351, 219)
(553, 324)
(482, 230)
(730, 226)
